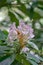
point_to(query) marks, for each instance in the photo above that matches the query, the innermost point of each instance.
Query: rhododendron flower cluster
(23, 32)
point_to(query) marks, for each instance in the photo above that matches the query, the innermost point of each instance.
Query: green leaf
(4, 50)
(32, 62)
(2, 35)
(8, 61)
(36, 16)
(5, 32)
(16, 63)
(33, 45)
(2, 3)
(13, 18)
(20, 58)
(40, 2)
(40, 58)
(32, 57)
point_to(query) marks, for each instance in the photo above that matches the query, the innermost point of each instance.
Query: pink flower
(26, 30)
(23, 32)
(12, 33)
(24, 50)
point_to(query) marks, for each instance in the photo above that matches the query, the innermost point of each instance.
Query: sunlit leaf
(33, 45)
(32, 57)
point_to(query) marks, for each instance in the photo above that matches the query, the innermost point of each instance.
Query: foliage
(31, 11)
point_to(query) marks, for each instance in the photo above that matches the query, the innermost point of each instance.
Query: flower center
(21, 38)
